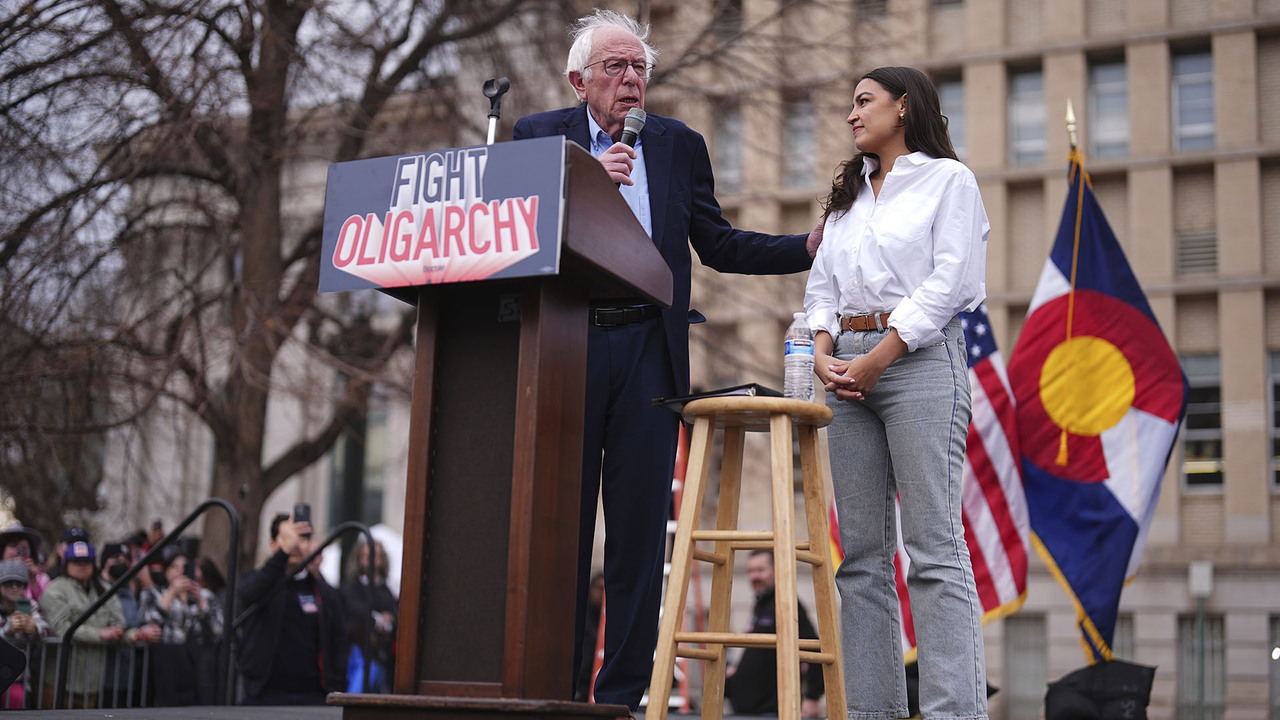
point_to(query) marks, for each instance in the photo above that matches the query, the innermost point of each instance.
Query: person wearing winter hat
(22, 543)
(21, 623)
(64, 600)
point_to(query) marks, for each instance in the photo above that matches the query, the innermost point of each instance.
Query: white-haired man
(638, 351)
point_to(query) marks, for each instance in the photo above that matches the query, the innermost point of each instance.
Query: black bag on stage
(1115, 690)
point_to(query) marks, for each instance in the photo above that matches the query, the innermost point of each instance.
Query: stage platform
(234, 712)
(237, 713)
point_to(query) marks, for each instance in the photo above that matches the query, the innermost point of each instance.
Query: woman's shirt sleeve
(958, 279)
(821, 293)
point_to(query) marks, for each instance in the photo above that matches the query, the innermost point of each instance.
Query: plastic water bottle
(798, 360)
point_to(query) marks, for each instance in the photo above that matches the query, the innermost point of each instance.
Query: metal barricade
(121, 671)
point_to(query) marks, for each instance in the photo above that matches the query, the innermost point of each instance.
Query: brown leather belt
(863, 323)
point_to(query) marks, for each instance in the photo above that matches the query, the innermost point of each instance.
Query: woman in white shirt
(904, 252)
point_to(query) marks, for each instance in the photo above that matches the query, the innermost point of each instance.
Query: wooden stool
(737, 416)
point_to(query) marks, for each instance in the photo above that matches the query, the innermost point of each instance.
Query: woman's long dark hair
(926, 131)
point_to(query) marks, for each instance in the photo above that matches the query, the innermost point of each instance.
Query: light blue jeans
(907, 438)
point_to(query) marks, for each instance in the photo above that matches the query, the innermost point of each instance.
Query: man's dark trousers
(626, 366)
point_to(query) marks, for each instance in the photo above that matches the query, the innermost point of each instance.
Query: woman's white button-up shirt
(919, 249)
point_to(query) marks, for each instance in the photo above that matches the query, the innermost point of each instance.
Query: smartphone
(301, 513)
(190, 568)
(23, 605)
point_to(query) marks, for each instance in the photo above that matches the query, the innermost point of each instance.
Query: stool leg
(722, 575)
(824, 588)
(784, 568)
(681, 556)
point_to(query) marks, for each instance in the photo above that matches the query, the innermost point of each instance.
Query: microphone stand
(494, 89)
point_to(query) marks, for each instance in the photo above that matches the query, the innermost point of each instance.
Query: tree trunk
(240, 487)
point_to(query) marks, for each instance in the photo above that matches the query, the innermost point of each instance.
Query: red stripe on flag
(833, 529)
(981, 574)
(904, 603)
(993, 386)
(985, 473)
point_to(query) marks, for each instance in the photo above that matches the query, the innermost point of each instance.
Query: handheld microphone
(632, 126)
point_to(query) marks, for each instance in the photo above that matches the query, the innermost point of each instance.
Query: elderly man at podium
(637, 351)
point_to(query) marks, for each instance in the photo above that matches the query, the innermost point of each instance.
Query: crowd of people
(302, 641)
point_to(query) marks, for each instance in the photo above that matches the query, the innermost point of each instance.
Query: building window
(799, 142)
(1202, 432)
(358, 473)
(727, 23)
(1108, 110)
(871, 9)
(1026, 665)
(728, 147)
(1191, 654)
(1274, 666)
(1274, 385)
(951, 95)
(1193, 101)
(1195, 253)
(1122, 647)
(1026, 118)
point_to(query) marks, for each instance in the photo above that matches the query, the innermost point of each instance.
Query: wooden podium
(495, 452)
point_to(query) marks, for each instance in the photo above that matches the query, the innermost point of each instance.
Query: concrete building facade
(1179, 121)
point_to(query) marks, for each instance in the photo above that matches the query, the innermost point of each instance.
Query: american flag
(994, 508)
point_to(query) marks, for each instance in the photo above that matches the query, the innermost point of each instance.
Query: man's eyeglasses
(616, 67)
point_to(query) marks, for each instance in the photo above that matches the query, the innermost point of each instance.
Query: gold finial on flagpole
(1071, 125)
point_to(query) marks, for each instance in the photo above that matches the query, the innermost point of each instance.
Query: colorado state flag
(1100, 397)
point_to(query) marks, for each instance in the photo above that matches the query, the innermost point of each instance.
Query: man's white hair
(585, 27)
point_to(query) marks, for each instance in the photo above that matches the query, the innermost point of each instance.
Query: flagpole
(1071, 126)
(1076, 175)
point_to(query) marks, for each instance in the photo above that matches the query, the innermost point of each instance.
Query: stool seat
(736, 416)
(753, 413)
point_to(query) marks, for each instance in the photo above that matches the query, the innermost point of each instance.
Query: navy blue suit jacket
(684, 211)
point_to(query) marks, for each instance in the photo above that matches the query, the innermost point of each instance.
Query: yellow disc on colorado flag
(1086, 385)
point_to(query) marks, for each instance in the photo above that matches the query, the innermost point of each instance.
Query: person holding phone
(191, 623)
(23, 543)
(21, 623)
(293, 650)
(185, 611)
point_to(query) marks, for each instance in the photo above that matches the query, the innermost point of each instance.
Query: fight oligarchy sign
(446, 216)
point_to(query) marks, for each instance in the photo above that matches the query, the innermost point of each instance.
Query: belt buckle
(608, 317)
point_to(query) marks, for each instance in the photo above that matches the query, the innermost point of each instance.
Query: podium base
(416, 707)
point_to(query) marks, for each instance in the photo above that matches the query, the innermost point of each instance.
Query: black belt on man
(863, 323)
(607, 316)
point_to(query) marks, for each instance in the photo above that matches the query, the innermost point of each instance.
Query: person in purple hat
(22, 543)
(70, 535)
(64, 600)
